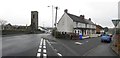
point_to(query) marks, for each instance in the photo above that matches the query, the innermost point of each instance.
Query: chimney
(89, 19)
(66, 11)
(82, 16)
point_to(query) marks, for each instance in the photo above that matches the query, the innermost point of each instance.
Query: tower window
(33, 16)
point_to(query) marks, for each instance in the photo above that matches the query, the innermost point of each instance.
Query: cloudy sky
(18, 12)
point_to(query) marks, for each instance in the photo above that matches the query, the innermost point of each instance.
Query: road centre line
(44, 46)
(39, 50)
(44, 55)
(40, 46)
(38, 54)
(41, 42)
(44, 51)
(44, 42)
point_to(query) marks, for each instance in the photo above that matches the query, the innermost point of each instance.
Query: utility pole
(56, 17)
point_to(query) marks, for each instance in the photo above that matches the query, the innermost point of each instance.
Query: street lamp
(52, 15)
(56, 16)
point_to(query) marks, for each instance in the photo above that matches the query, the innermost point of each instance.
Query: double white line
(42, 48)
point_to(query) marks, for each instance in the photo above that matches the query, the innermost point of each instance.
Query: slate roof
(78, 19)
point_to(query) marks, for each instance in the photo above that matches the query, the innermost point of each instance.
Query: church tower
(34, 20)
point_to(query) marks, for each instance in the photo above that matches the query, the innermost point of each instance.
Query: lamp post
(56, 16)
(55, 24)
(52, 15)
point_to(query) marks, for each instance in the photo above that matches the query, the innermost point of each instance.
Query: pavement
(37, 45)
(101, 50)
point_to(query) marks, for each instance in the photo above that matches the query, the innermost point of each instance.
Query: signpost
(115, 40)
(115, 22)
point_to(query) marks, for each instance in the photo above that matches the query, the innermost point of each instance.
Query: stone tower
(34, 20)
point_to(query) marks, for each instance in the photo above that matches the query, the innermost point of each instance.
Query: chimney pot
(89, 19)
(66, 10)
(82, 16)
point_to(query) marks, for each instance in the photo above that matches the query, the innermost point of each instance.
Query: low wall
(94, 35)
(7, 32)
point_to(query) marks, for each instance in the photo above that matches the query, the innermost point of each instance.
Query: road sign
(106, 29)
(115, 22)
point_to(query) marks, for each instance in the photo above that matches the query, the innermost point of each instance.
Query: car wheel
(108, 41)
(101, 40)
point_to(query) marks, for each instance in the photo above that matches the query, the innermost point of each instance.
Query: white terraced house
(70, 23)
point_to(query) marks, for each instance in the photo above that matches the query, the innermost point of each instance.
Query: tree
(2, 23)
(106, 29)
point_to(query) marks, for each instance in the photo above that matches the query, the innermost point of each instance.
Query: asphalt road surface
(44, 45)
(23, 45)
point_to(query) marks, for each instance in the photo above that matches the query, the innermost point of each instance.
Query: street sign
(115, 22)
(106, 29)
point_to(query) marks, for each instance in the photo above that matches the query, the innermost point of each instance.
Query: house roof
(99, 26)
(78, 19)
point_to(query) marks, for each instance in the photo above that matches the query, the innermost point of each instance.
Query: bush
(53, 31)
(62, 35)
(118, 31)
(4, 32)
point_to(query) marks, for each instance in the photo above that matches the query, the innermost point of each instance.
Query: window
(33, 16)
(75, 31)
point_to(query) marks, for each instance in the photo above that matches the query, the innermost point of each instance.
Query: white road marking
(53, 42)
(44, 51)
(39, 50)
(44, 43)
(44, 55)
(49, 43)
(38, 54)
(40, 46)
(44, 46)
(54, 48)
(59, 54)
(78, 43)
(86, 41)
(41, 42)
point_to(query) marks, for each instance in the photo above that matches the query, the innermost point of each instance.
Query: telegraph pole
(56, 17)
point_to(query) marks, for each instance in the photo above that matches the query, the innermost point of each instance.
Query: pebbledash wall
(66, 24)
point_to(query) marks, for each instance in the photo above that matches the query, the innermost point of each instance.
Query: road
(37, 45)
(23, 45)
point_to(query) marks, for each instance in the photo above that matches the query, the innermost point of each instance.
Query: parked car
(106, 38)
